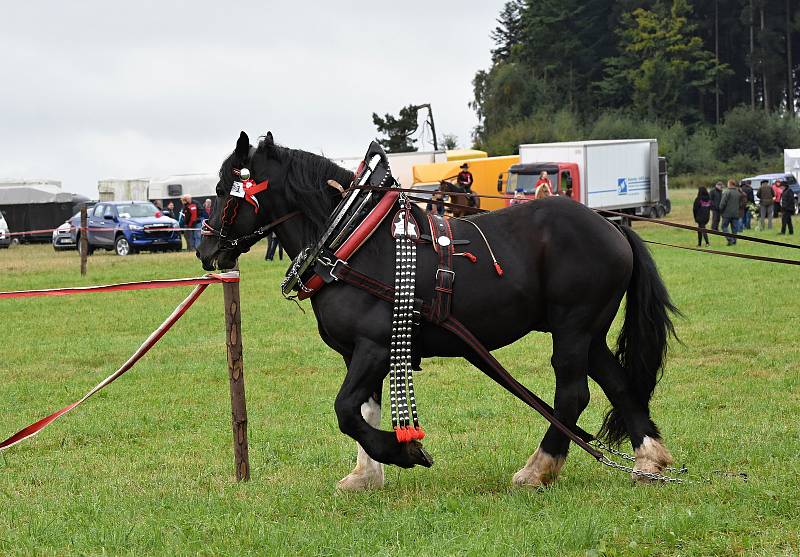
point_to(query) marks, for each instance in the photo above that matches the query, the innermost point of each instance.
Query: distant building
(37, 205)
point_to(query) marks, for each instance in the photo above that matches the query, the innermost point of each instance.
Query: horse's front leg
(359, 418)
(368, 473)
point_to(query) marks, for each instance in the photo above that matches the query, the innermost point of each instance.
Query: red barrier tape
(143, 285)
(155, 336)
(51, 230)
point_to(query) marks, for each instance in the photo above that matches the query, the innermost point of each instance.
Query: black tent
(31, 206)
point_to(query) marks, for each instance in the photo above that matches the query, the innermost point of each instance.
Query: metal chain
(625, 456)
(640, 473)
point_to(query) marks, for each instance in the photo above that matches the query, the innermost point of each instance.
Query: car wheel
(660, 211)
(122, 246)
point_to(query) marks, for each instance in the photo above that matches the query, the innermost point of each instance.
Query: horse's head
(239, 210)
(287, 180)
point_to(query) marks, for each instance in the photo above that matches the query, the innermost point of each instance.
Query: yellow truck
(485, 171)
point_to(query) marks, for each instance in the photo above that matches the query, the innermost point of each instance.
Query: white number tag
(237, 190)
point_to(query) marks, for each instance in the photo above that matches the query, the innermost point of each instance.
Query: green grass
(145, 467)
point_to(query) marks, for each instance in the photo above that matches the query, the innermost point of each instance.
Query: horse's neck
(290, 236)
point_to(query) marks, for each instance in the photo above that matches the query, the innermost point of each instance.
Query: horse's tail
(643, 340)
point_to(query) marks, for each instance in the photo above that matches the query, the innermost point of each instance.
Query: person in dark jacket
(765, 201)
(729, 209)
(787, 209)
(436, 204)
(702, 212)
(716, 197)
(747, 190)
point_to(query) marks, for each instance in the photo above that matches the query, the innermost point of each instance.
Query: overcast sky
(92, 90)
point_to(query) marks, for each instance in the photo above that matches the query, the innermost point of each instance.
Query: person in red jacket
(190, 217)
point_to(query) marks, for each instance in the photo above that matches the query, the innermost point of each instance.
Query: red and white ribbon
(200, 285)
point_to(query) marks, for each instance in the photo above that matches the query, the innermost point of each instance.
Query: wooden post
(83, 247)
(233, 340)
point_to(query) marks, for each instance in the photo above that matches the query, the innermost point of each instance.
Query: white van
(5, 238)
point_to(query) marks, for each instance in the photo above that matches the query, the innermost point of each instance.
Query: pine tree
(398, 130)
(508, 32)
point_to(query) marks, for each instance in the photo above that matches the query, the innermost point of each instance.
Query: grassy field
(145, 467)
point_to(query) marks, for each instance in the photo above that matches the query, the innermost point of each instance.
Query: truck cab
(522, 179)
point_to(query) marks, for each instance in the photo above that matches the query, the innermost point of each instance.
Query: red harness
(360, 235)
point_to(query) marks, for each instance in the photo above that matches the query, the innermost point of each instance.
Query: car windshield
(136, 210)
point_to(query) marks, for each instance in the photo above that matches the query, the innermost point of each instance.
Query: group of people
(731, 207)
(189, 216)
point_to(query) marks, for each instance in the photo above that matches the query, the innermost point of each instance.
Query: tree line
(712, 79)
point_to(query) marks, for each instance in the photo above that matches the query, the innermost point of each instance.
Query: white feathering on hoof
(651, 456)
(541, 469)
(368, 473)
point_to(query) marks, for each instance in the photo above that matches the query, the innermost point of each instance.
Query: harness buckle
(452, 274)
(326, 267)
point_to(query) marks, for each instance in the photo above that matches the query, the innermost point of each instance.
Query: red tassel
(469, 256)
(417, 433)
(498, 268)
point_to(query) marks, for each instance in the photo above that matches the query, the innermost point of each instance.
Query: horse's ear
(242, 146)
(269, 140)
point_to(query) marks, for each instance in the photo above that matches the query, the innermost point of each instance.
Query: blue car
(128, 227)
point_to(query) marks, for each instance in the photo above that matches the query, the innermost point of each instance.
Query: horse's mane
(306, 184)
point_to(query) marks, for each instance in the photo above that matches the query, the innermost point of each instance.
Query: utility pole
(430, 123)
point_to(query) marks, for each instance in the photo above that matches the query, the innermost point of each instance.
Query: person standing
(747, 190)
(702, 211)
(787, 209)
(777, 191)
(272, 245)
(716, 197)
(191, 219)
(765, 201)
(436, 203)
(729, 209)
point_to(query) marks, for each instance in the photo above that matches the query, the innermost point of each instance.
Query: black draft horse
(566, 272)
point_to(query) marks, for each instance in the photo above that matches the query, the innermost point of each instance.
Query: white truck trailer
(171, 188)
(624, 175)
(114, 189)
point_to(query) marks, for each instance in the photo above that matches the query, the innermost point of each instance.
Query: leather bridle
(229, 213)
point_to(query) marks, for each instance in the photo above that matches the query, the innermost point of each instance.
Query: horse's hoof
(418, 455)
(541, 470)
(360, 482)
(651, 457)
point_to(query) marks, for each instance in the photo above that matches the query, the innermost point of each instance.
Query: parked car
(5, 238)
(65, 237)
(127, 227)
(755, 183)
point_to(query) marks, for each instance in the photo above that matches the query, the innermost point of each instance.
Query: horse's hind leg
(570, 362)
(651, 454)
(365, 372)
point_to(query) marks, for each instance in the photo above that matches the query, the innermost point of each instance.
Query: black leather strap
(445, 276)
